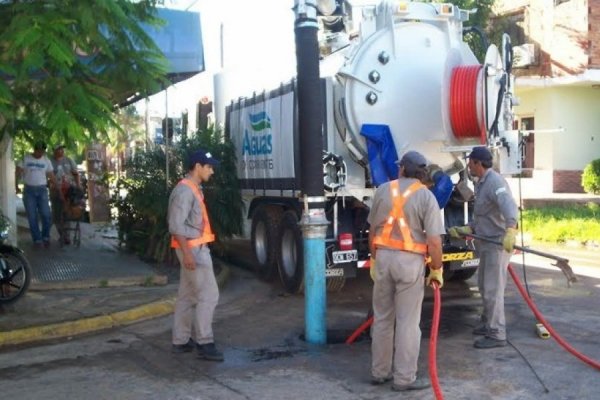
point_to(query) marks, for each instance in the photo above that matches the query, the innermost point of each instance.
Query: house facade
(557, 68)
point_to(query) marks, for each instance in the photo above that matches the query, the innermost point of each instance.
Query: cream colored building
(557, 65)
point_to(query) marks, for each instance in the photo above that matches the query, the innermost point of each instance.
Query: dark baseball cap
(203, 157)
(480, 153)
(414, 158)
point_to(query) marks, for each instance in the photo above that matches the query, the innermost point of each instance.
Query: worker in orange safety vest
(405, 227)
(198, 292)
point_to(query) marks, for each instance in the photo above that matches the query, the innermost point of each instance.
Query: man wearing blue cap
(405, 226)
(190, 230)
(495, 217)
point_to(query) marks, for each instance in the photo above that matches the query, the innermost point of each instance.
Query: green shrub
(142, 196)
(590, 179)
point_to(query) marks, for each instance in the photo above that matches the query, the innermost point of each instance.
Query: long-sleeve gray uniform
(494, 211)
(197, 288)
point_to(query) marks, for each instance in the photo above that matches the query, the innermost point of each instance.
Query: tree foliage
(64, 64)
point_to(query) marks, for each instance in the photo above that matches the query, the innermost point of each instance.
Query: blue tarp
(382, 162)
(381, 152)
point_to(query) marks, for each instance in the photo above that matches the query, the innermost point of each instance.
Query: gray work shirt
(495, 208)
(421, 211)
(185, 212)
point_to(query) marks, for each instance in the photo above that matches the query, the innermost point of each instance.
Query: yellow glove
(435, 275)
(372, 269)
(458, 231)
(509, 240)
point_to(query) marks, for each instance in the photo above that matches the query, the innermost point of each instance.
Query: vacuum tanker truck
(395, 76)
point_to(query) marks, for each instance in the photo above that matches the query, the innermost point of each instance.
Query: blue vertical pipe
(315, 301)
(310, 127)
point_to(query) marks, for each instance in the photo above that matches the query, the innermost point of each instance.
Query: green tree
(65, 64)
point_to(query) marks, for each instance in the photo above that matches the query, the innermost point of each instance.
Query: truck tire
(264, 240)
(291, 255)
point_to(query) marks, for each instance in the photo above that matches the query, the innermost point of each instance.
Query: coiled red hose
(463, 103)
(435, 325)
(541, 318)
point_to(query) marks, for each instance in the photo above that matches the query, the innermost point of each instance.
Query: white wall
(573, 108)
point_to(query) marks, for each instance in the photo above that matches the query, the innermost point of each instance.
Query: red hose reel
(464, 97)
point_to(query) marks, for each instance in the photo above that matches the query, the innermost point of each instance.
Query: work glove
(508, 242)
(432, 170)
(435, 275)
(372, 269)
(458, 231)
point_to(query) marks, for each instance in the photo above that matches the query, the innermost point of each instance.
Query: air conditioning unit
(524, 55)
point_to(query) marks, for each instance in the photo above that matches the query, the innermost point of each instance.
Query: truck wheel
(265, 228)
(291, 255)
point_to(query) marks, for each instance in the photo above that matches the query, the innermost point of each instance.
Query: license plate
(470, 263)
(334, 272)
(345, 256)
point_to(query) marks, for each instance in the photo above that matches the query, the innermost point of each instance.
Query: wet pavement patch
(339, 336)
(265, 354)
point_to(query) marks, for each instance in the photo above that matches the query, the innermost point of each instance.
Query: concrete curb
(92, 324)
(148, 280)
(87, 325)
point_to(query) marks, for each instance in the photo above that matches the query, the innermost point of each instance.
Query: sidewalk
(86, 289)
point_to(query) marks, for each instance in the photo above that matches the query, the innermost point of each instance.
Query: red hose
(360, 330)
(435, 325)
(463, 102)
(541, 318)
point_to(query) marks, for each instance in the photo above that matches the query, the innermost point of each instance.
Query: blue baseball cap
(203, 157)
(414, 158)
(480, 153)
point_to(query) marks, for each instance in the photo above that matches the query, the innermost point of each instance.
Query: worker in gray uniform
(190, 230)
(406, 227)
(494, 217)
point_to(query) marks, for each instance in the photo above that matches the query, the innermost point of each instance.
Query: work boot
(183, 348)
(417, 384)
(481, 330)
(209, 352)
(380, 381)
(488, 343)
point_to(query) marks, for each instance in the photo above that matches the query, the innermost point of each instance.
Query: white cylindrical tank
(400, 76)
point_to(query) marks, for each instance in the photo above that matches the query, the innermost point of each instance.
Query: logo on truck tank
(466, 255)
(258, 143)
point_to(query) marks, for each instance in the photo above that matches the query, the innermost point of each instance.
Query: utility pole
(314, 222)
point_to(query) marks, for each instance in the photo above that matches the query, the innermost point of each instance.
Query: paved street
(259, 328)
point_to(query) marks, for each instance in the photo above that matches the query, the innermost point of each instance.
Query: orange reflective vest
(397, 214)
(207, 235)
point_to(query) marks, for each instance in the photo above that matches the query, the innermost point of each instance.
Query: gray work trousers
(197, 299)
(491, 280)
(397, 299)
